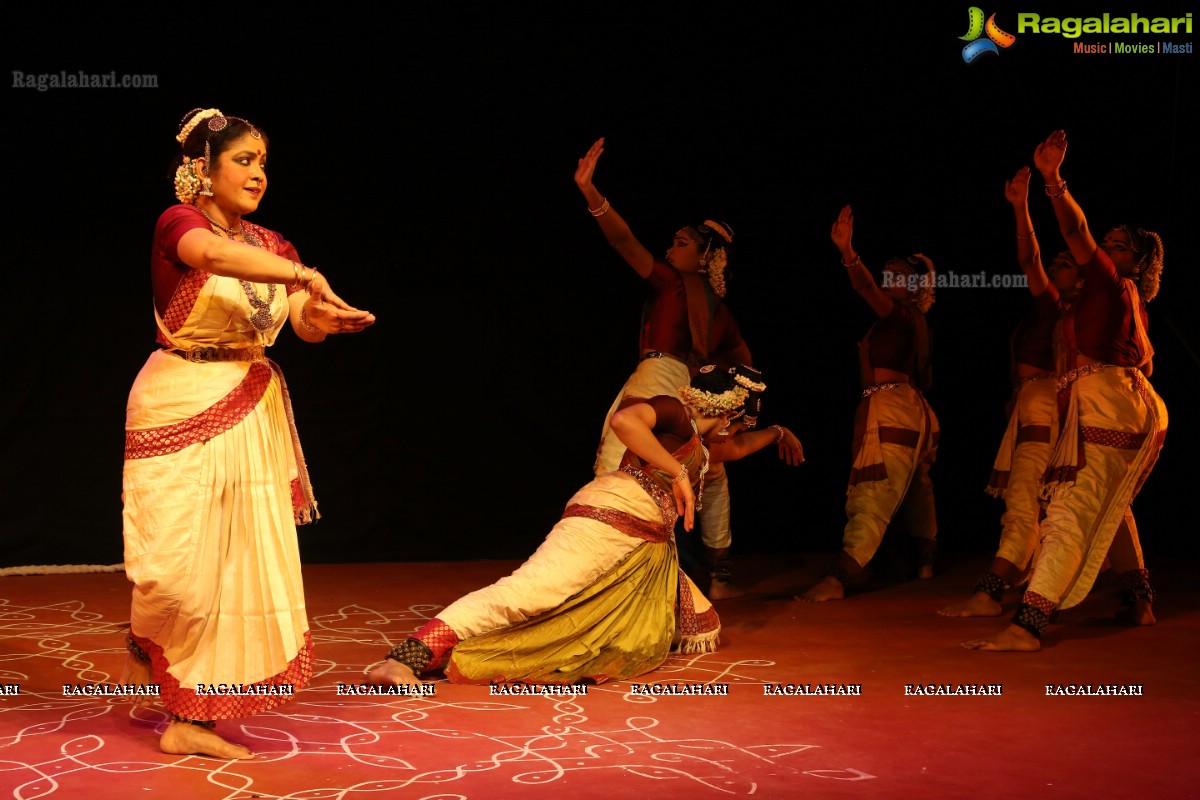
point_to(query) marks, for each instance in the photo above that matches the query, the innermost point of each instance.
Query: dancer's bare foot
(1013, 639)
(829, 588)
(392, 673)
(137, 673)
(186, 739)
(1140, 613)
(979, 604)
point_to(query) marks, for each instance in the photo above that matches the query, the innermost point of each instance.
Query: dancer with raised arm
(685, 323)
(895, 430)
(1037, 348)
(1111, 422)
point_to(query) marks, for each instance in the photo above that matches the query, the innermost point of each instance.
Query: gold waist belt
(256, 354)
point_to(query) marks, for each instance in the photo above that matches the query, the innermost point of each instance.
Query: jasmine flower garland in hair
(709, 404)
(716, 271)
(742, 380)
(199, 117)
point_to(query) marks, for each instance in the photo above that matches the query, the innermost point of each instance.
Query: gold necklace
(261, 319)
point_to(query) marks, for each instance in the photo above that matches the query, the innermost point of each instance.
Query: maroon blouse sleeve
(1098, 271)
(673, 424)
(172, 225)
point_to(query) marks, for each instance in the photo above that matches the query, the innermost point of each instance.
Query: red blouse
(1103, 315)
(666, 327)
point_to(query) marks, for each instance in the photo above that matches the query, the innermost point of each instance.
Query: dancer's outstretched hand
(1016, 191)
(587, 165)
(1049, 155)
(843, 229)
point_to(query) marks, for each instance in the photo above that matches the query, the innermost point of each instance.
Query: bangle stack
(855, 260)
(601, 211)
(304, 323)
(682, 476)
(778, 433)
(1030, 235)
(1058, 190)
(301, 278)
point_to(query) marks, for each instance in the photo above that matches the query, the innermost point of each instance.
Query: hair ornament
(721, 229)
(714, 392)
(924, 295)
(187, 182)
(713, 404)
(754, 386)
(194, 118)
(716, 271)
(1148, 246)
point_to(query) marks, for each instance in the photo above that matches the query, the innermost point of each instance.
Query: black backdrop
(423, 160)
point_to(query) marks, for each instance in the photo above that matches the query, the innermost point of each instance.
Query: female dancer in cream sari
(215, 481)
(603, 597)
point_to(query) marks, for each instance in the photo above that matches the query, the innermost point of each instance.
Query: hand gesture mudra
(587, 165)
(790, 449)
(1016, 190)
(328, 313)
(685, 502)
(1049, 155)
(842, 231)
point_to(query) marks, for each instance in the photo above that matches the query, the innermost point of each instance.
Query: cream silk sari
(213, 487)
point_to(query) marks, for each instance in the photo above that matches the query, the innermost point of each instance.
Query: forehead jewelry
(197, 116)
(220, 123)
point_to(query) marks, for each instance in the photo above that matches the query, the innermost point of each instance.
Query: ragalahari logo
(976, 28)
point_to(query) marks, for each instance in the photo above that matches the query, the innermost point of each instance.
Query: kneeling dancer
(603, 597)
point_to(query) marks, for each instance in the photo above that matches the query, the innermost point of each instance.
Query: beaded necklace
(261, 319)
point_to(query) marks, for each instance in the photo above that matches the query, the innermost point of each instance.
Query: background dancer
(896, 432)
(1111, 422)
(685, 324)
(1037, 347)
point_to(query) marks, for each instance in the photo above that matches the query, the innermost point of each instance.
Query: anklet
(837, 572)
(992, 585)
(1137, 587)
(412, 653)
(209, 724)
(1034, 613)
(135, 649)
(1032, 619)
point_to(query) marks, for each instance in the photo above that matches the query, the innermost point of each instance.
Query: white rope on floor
(60, 569)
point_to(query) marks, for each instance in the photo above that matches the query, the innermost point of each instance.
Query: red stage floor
(612, 743)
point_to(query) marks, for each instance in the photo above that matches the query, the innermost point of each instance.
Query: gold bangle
(779, 430)
(682, 476)
(601, 211)
(304, 323)
(1061, 188)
